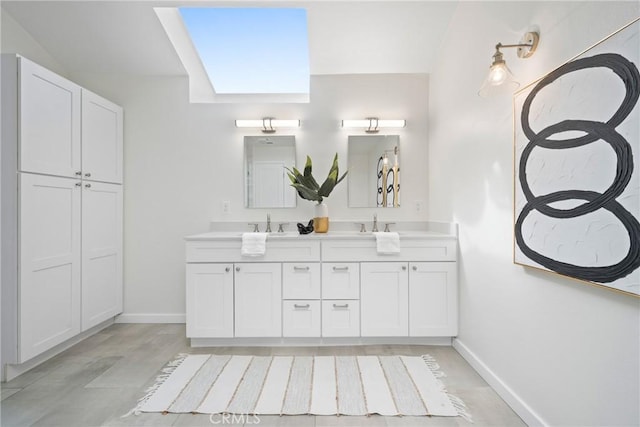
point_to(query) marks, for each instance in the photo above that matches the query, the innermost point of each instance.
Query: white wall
(563, 353)
(183, 160)
(15, 39)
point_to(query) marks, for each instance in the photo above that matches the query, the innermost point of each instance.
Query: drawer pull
(345, 268)
(404, 267)
(237, 268)
(297, 268)
(301, 305)
(415, 268)
(340, 305)
(227, 269)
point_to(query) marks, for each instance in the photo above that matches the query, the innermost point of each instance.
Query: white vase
(321, 218)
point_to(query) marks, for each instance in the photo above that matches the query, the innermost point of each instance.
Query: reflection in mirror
(374, 171)
(266, 182)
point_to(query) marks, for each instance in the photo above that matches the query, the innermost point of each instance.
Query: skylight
(241, 54)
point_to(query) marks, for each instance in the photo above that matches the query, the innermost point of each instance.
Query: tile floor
(97, 381)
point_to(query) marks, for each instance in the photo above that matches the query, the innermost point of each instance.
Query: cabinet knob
(78, 173)
(87, 185)
(404, 267)
(415, 268)
(78, 184)
(227, 269)
(237, 268)
(87, 174)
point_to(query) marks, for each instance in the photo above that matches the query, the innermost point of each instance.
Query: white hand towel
(388, 242)
(254, 244)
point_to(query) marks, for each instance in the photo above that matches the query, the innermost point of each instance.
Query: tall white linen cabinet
(61, 210)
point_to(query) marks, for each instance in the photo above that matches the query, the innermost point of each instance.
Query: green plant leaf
(307, 174)
(307, 193)
(307, 186)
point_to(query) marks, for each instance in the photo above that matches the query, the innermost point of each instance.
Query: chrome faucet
(268, 230)
(375, 223)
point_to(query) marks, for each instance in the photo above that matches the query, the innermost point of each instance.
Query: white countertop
(331, 235)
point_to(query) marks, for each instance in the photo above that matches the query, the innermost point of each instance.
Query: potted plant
(309, 189)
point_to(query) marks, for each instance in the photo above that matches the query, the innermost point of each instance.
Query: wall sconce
(500, 78)
(267, 124)
(373, 124)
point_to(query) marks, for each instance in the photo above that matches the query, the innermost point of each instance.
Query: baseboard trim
(12, 371)
(151, 318)
(520, 407)
(318, 341)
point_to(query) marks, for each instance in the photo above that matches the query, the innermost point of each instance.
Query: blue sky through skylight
(251, 50)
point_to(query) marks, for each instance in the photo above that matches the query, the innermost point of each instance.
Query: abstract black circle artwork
(577, 185)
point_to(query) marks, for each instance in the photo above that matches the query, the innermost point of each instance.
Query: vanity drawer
(301, 280)
(341, 280)
(340, 318)
(300, 318)
(228, 250)
(410, 250)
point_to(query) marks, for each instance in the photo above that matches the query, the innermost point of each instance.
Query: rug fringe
(433, 365)
(460, 406)
(457, 402)
(160, 379)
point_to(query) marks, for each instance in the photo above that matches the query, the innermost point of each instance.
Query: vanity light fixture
(500, 78)
(267, 124)
(373, 124)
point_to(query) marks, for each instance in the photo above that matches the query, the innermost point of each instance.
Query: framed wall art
(576, 167)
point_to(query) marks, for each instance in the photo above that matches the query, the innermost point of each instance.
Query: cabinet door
(209, 300)
(301, 318)
(101, 139)
(340, 318)
(49, 290)
(433, 308)
(341, 280)
(49, 108)
(258, 300)
(301, 280)
(384, 297)
(101, 252)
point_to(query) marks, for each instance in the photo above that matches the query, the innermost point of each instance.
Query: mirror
(374, 171)
(266, 182)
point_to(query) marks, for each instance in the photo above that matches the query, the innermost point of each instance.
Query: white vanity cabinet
(384, 299)
(321, 288)
(62, 224)
(301, 299)
(209, 299)
(341, 299)
(433, 302)
(301, 281)
(258, 299)
(301, 318)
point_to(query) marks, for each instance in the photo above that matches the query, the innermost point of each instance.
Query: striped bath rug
(295, 385)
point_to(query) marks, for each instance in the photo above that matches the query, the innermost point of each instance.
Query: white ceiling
(345, 37)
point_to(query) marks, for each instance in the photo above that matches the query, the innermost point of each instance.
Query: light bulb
(499, 81)
(497, 74)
